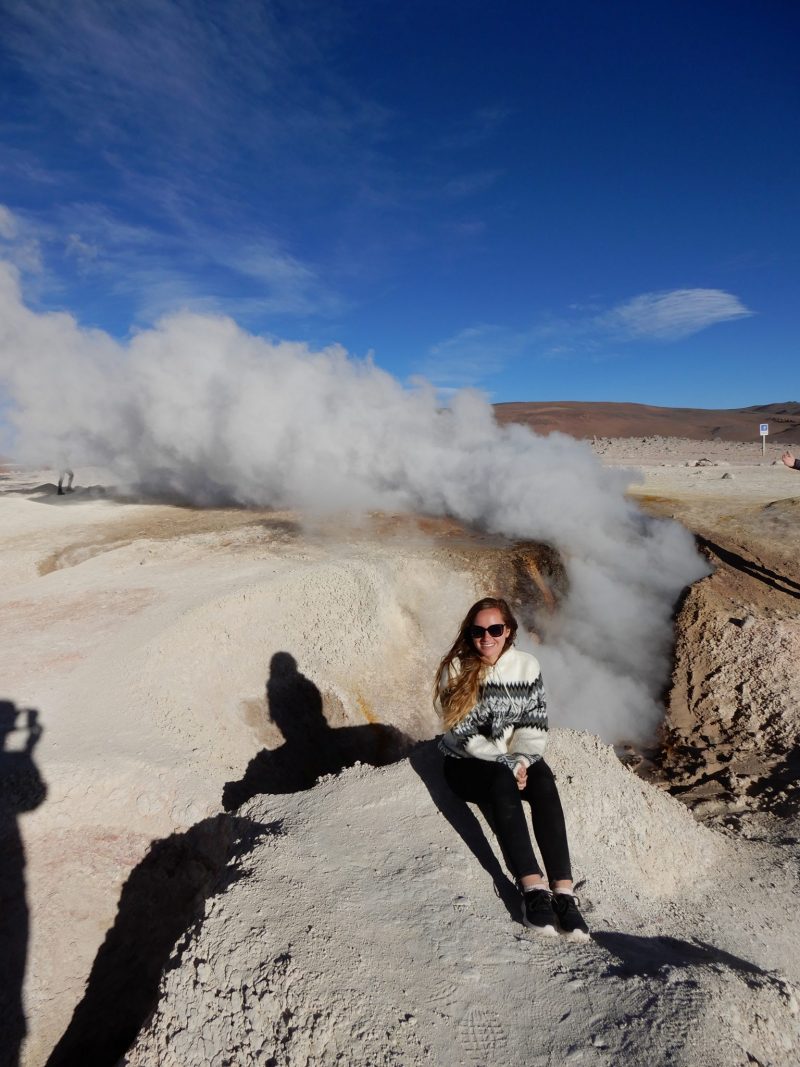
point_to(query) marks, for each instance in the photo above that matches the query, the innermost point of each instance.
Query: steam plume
(199, 408)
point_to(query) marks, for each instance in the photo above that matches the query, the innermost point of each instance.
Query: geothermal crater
(181, 679)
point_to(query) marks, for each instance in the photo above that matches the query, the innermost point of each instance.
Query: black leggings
(494, 787)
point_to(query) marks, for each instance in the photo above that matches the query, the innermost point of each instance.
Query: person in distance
(493, 707)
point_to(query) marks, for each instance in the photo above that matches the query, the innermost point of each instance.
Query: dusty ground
(145, 646)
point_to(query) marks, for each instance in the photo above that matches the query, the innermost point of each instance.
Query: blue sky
(543, 200)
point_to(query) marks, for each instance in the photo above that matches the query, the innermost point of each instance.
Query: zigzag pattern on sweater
(500, 706)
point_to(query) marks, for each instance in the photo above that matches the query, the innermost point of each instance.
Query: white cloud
(671, 315)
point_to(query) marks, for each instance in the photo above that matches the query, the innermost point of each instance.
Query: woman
(494, 713)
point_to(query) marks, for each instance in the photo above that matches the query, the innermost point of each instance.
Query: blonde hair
(457, 691)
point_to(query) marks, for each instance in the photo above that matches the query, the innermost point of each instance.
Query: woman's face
(487, 645)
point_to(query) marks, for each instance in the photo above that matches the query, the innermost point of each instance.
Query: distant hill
(603, 419)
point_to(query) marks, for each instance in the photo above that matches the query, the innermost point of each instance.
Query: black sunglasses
(496, 630)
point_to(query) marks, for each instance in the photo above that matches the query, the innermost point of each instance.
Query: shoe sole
(577, 936)
(545, 931)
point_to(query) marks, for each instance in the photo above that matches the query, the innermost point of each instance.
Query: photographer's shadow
(312, 747)
(21, 790)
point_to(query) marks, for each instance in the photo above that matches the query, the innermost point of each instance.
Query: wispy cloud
(211, 136)
(8, 223)
(195, 267)
(239, 118)
(194, 89)
(590, 328)
(475, 129)
(672, 315)
(19, 243)
(463, 231)
(243, 274)
(473, 355)
(466, 185)
(21, 165)
(182, 71)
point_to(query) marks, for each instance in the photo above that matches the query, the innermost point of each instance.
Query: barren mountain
(600, 419)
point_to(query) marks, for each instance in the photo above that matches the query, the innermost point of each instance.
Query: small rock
(727, 474)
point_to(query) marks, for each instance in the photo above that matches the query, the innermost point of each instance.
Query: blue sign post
(763, 429)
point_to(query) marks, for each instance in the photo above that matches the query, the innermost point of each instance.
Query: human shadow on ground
(645, 956)
(752, 569)
(161, 900)
(312, 747)
(426, 760)
(21, 790)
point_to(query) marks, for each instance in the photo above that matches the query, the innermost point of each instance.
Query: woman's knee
(501, 780)
(541, 780)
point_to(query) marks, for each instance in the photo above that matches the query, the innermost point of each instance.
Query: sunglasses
(496, 630)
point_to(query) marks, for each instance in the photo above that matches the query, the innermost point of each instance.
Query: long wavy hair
(457, 696)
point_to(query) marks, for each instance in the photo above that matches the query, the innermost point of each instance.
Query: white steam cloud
(197, 407)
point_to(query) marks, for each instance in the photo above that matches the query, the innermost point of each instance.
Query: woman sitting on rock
(494, 712)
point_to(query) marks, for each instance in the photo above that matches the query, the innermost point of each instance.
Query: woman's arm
(530, 731)
(529, 743)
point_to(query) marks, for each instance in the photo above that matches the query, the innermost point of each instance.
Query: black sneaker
(537, 912)
(572, 923)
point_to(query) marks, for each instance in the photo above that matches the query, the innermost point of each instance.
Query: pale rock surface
(356, 925)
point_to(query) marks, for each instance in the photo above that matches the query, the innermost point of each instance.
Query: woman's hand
(521, 774)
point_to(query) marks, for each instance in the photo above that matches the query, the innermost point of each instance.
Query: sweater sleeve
(528, 744)
(530, 735)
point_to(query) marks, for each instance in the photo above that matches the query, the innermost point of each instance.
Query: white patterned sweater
(509, 722)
